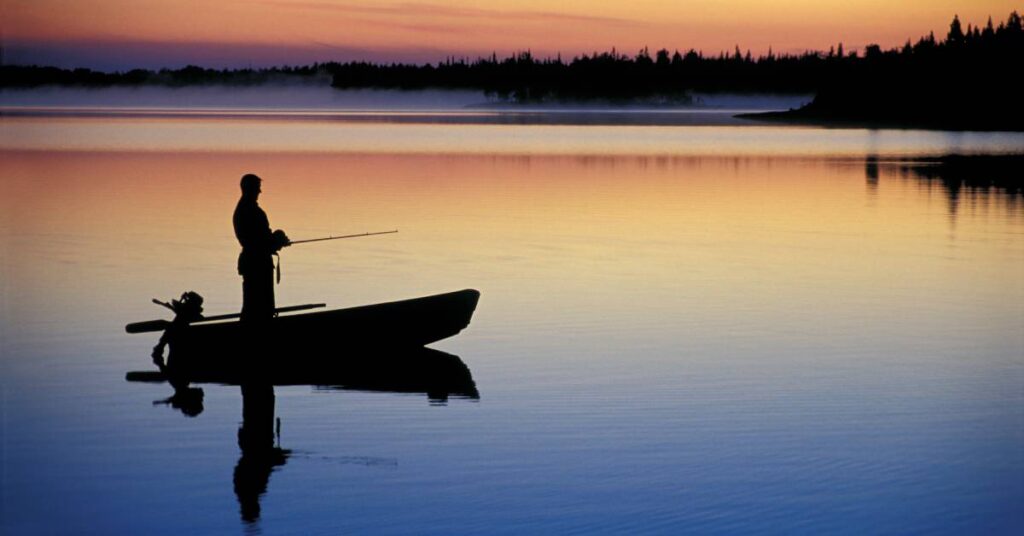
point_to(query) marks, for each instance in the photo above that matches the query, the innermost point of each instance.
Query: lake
(688, 324)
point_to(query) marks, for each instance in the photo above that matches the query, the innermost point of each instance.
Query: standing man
(259, 244)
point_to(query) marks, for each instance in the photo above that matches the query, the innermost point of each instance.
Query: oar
(160, 325)
(148, 376)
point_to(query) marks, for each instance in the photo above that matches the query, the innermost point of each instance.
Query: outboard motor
(187, 309)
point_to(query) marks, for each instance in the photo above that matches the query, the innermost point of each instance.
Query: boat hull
(308, 341)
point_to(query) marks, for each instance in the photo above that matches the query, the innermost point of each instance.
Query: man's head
(251, 185)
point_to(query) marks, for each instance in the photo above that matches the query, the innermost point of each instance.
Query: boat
(307, 343)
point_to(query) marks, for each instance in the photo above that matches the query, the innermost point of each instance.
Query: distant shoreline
(475, 115)
(968, 81)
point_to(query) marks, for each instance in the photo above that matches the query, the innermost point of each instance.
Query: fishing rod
(293, 242)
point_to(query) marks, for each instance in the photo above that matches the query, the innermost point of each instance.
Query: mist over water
(293, 96)
(318, 95)
(480, 132)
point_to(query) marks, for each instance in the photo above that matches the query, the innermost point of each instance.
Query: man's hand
(280, 240)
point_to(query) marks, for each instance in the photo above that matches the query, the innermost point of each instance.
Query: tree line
(967, 59)
(968, 80)
(27, 76)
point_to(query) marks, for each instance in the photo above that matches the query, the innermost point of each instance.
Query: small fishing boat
(307, 342)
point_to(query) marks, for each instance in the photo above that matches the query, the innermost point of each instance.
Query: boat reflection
(437, 374)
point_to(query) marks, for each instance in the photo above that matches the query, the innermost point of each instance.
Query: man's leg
(258, 295)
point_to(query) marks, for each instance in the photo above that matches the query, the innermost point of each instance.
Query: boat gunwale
(320, 315)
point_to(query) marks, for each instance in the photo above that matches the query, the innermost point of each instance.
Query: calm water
(708, 329)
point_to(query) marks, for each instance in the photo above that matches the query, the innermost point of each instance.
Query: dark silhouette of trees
(955, 37)
(968, 81)
(667, 77)
(965, 81)
(12, 76)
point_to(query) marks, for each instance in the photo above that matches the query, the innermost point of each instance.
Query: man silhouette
(256, 263)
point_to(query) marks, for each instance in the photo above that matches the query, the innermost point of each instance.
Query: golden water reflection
(479, 133)
(642, 241)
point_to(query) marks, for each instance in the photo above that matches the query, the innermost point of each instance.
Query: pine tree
(955, 37)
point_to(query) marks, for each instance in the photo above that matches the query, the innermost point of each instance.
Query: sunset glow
(122, 34)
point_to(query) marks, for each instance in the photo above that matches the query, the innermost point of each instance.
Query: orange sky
(112, 32)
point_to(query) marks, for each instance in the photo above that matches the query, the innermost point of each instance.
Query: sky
(122, 34)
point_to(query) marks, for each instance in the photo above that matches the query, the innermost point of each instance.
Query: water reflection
(478, 133)
(978, 179)
(744, 298)
(260, 454)
(187, 400)
(871, 173)
(437, 374)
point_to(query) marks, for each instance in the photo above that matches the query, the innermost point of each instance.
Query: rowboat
(307, 343)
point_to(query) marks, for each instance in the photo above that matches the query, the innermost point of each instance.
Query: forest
(966, 79)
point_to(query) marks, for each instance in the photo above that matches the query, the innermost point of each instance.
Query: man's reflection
(259, 453)
(437, 374)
